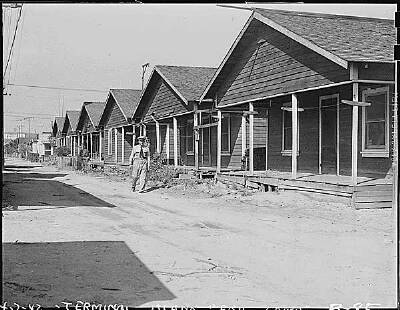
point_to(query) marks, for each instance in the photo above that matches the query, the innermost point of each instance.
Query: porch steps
(373, 196)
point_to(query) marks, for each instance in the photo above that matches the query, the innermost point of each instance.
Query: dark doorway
(328, 123)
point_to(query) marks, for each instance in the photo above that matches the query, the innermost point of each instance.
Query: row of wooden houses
(301, 100)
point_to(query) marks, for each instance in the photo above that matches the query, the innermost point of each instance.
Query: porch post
(123, 144)
(354, 132)
(116, 144)
(243, 135)
(158, 138)
(167, 142)
(100, 143)
(91, 145)
(294, 136)
(196, 136)
(266, 139)
(144, 130)
(219, 138)
(133, 135)
(72, 148)
(87, 141)
(175, 121)
(251, 138)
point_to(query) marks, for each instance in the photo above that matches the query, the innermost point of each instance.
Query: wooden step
(317, 185)
(373, 205)
(315, 190)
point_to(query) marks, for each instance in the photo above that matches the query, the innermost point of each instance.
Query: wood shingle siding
(116, 117)
(164, 103)
(278, 65)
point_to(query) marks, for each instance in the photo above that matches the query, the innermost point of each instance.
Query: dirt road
(79, 237)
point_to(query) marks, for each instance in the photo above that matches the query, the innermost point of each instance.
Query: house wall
(128, 144)
(116, 117)
(163, 102)
(277, 66)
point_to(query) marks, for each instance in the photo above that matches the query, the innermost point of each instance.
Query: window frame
(375, 152)
(288, 152)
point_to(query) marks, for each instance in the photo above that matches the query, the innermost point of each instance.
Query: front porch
(370, 192)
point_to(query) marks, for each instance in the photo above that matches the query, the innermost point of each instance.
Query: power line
(12, 44)
(58, 88)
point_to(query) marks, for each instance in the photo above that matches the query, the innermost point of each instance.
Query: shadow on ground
(37, 191)
(105, 272)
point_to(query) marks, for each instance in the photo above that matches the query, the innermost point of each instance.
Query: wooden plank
(373, 205)
(196, 136)
(373, 199)
(205, 125)
(356, 103)
(314, 190)
(294, 135)
(251, 138)
(373, 187)
(243, 129)
(354, 132)
(219, 141)
(317, 185)
(167, 142)
(175, 124)
(123, 145)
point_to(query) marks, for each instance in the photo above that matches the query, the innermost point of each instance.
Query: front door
(328, 134)
(204, 143)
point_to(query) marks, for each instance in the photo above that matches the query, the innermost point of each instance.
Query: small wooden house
(90, 136)
(116, 122)
(70, 130)
(165, 112)
(57, 128)
(308, 97)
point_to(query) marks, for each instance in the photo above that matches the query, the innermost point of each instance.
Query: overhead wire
(20, 43)
(13, 40)
(58, 88)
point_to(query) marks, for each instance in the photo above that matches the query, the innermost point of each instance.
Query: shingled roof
(190, 82)
(94, 110)
(73, 117)
(348, 37)
(127, 99)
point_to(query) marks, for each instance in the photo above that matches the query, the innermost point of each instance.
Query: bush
(161, 172)
(62, 151)
(33, 157)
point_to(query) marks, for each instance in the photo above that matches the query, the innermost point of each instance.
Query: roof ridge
(326, 15)
(181, 66)
(125, 89)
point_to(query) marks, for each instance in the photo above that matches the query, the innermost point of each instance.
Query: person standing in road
(140, 163)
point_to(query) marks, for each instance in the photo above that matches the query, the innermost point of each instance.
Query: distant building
(43, 145)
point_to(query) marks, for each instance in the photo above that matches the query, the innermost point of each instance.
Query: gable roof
(339, 38)
(60, 122)
(127, 100)
(188, 82)
(94, 111)
(73, 117)
(351, 38)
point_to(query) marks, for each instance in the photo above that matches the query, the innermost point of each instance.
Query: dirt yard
(69, 236)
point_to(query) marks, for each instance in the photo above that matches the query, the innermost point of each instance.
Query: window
(226, 133)
(109, 142)
(375, 123)
(287, 131)
(189, 136)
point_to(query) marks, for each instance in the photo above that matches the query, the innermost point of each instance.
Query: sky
(103, 46)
